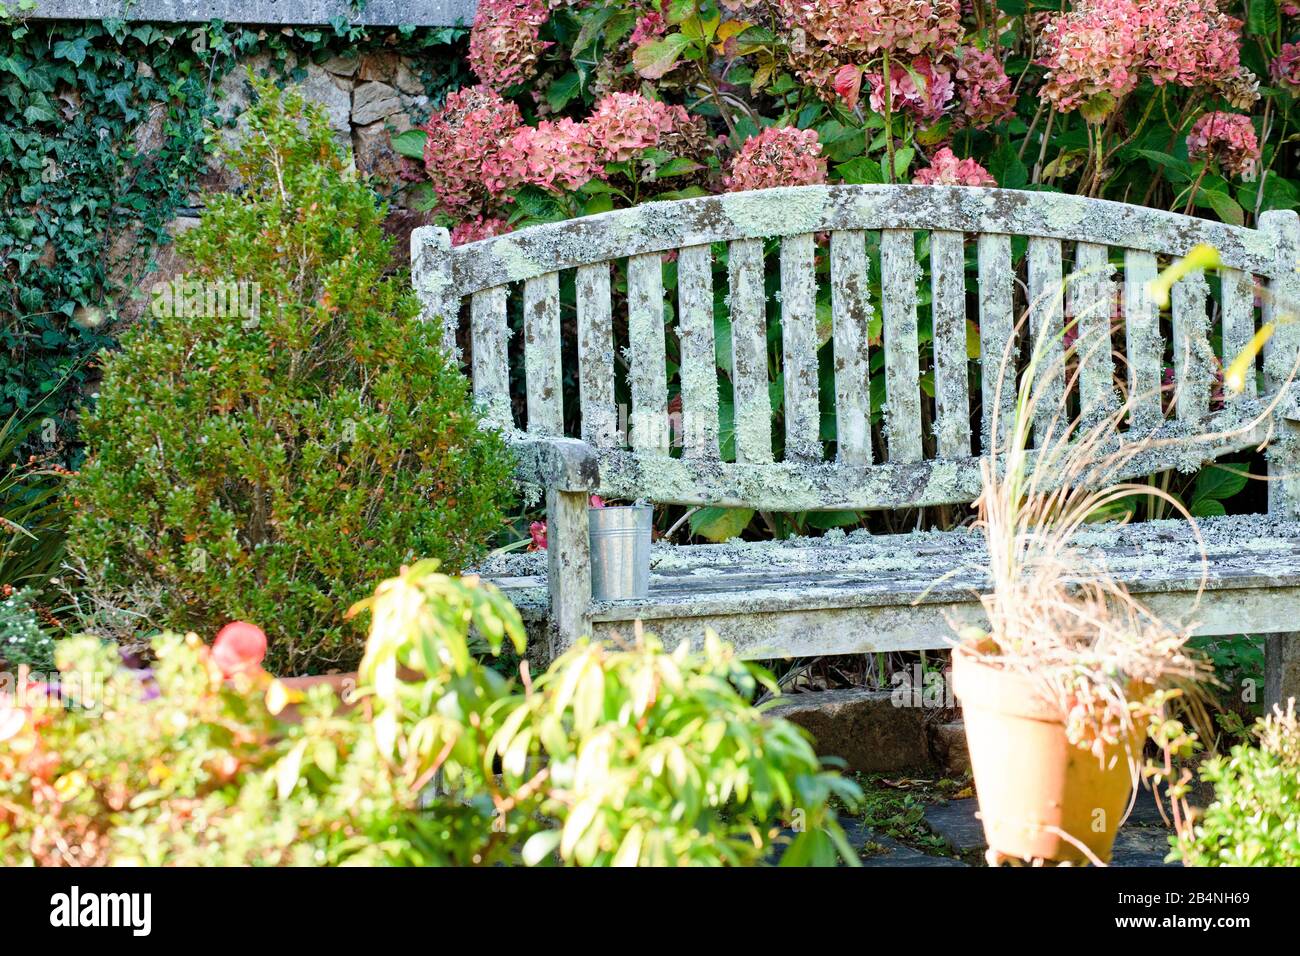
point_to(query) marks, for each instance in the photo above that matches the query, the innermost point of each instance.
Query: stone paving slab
(1143, 841)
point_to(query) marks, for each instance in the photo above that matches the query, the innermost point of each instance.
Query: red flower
(537, 531)
(239, 648)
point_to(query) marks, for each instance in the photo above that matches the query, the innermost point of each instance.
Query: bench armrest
(562, 464)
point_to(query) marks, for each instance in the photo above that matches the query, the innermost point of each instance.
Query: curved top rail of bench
(677, 224)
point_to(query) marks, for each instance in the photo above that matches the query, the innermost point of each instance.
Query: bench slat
(542, 375)
(1238, 292)
(1143, 342)
(1193, 359)
(851, 315)
(951, 366)
(799, 349)
(596, 356)
(659, 227)
(1091, 305)
(998, 352)
(648, 374)
(797, 486)
(491, 364)
(1047, 325)
(699, 362)
(902, 351)
(753, 404)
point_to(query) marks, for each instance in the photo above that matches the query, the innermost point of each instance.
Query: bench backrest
(1087, 259)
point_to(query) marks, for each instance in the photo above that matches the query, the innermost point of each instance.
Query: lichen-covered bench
(857, 593)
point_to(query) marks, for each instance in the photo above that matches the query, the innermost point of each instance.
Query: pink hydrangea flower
(778, 156)
(1228, 138)
(1189, 42)
(984, 88)
(1106, 46)
(505, 41)
(480, 227)
(925, 90)
(553, 155)
(1095, 48)
(947, 170)
(623, 124)
(467, 133)
(649, 27)
(870, 26)
(1285, 70)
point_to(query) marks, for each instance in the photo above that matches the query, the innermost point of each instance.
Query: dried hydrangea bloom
(553, 155)
(1240, 89)
(923, 88)
(984, 88)
(623, 124)
(778, 156)
(1229, 139)
(947, 170)
(470, 129)
(505, 41)
(872, 26)
(480, 227)
(1285, 70)
(1095, 48)
(1189, 42)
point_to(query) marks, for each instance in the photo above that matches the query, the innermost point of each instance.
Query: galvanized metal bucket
(620, 551)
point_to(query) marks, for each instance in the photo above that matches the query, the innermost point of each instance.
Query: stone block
(864, 728)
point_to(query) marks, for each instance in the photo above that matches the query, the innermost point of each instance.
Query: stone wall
(369, 97)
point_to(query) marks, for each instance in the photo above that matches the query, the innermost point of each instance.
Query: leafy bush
(1254, 819)
(32, 516)
(630, 756)
(611, 757)
(24, 641)
(264, 461)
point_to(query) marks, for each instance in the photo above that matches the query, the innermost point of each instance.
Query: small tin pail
(620, 551)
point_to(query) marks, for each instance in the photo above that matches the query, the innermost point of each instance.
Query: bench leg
(1281, 669)
(568, 558)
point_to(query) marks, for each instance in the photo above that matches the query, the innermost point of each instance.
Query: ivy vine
(104, 134)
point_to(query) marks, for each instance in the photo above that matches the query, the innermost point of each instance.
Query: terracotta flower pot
(1035, 786)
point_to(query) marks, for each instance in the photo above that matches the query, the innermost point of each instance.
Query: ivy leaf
(652, 60)
(72, 50)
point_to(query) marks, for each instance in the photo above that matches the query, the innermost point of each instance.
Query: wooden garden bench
(860, 593)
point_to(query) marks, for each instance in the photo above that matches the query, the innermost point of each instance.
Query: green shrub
(633, 756)
(612, 757)
(24, 642)
(269, 466)
(1254, 819)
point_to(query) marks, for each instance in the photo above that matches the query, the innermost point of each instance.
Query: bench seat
(860, 593)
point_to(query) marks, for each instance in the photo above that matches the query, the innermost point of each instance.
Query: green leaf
(1224, 206)
(652, 60)
(720, 524)
(562, 91)
(1208, 509)
(903, 160)
(860, 171)
(410, 144)
(1218, 483)
(539, 846)
(1175, 168)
